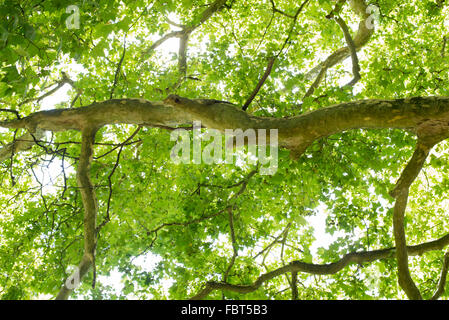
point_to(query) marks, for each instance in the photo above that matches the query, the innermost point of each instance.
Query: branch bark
(90, 209)
(295, 133)
(429, 134)
(353, 50)
(321, 269)
(186, 30)
(364, 33)
(260, 83)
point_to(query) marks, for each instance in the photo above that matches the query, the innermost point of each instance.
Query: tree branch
(117, 71)
(234, 244)
(260, 83)
(353, 50)
(273, 59)
(273, 6)
(294, 133)
(362, 37)
(90, 209)
(443, 276)
(108, 206)
(186, 30)
(23, 143)
(429, 134)
(331, 268)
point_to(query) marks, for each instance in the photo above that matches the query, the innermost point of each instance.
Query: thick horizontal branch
(295, 133)
(322, 269)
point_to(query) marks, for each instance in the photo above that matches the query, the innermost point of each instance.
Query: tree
(357, 91)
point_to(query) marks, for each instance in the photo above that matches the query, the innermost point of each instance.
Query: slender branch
(174, 23)
(428, 136)
(123, 144)
(364, 33)
(317, 269)
(273, 6)
(276, 240)
(273, 59)
(59, 84)
(205, 15)
(260, 83)
(173, 34)
(234, 244)
(443, 276)
(90, 209)
(317, 81)
(244, 182)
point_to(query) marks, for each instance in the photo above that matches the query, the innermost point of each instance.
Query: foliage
(174, 217)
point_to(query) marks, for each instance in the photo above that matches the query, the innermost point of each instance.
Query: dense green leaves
(169, 230)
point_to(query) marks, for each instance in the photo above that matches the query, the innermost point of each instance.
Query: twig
(234, 244)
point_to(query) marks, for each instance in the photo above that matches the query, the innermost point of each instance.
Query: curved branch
(22, 143)
(186, 30)
(364, 33)
(295, 133)
(324, 269)
(401, 192)
(90, 209)
(404, 278)
(429, 134)
(442, 282)
(353, 50)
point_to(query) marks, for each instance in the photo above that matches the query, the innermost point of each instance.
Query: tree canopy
(357, 92)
